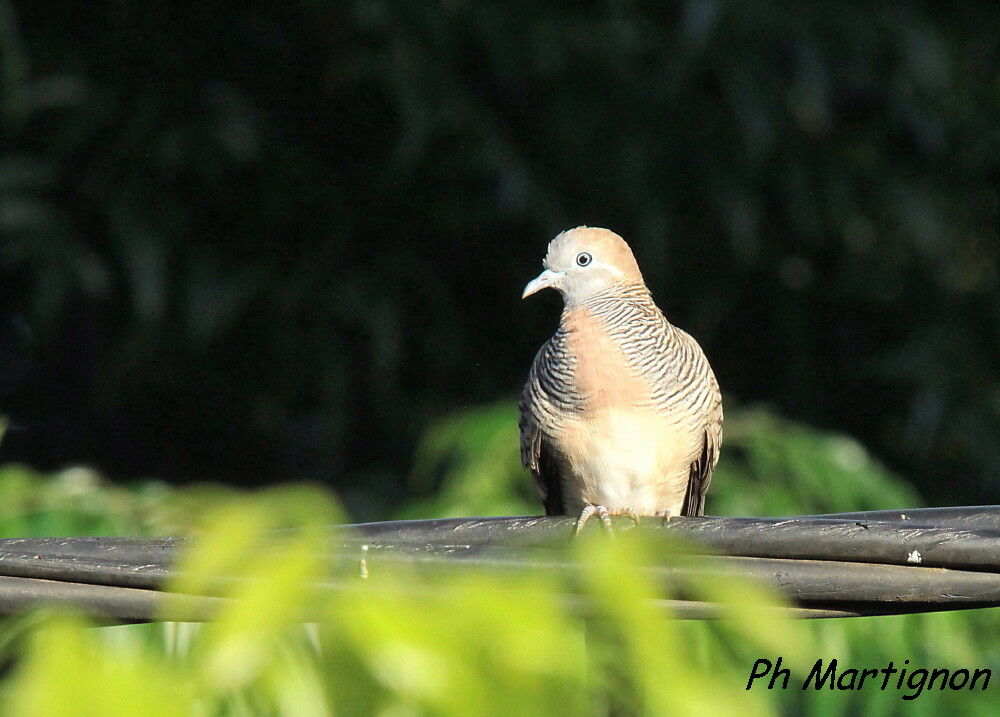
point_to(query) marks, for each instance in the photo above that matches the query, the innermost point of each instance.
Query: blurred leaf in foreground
(71, 670)
(305, 635)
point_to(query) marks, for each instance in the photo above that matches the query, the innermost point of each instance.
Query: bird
(621, 413)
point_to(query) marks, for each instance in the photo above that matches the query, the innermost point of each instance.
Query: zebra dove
(621, 413)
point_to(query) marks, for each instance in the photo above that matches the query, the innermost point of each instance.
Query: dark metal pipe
(838, 565)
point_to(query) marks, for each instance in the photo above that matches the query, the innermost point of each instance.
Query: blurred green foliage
(465, 642)
(273, 241)
(462, 642)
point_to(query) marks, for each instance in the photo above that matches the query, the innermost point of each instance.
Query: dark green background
(257, 242)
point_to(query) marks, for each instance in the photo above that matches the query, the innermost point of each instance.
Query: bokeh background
(253, 243)
(246, 244)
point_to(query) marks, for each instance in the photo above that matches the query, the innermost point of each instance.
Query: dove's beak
(544, 280)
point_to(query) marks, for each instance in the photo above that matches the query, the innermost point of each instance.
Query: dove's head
(584, 262)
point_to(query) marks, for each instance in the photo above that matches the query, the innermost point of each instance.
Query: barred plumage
(621, 409)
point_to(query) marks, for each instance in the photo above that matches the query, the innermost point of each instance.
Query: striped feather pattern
(678, 386)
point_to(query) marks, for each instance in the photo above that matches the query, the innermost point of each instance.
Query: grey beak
(544, 280)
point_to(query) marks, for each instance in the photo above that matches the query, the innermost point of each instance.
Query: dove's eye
(584, 258)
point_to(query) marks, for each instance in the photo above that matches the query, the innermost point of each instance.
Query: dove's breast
(616, 449)
(624, 457)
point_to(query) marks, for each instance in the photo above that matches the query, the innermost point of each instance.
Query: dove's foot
(604, 514)
(630, 514)
(666, 515)
(588, 512)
